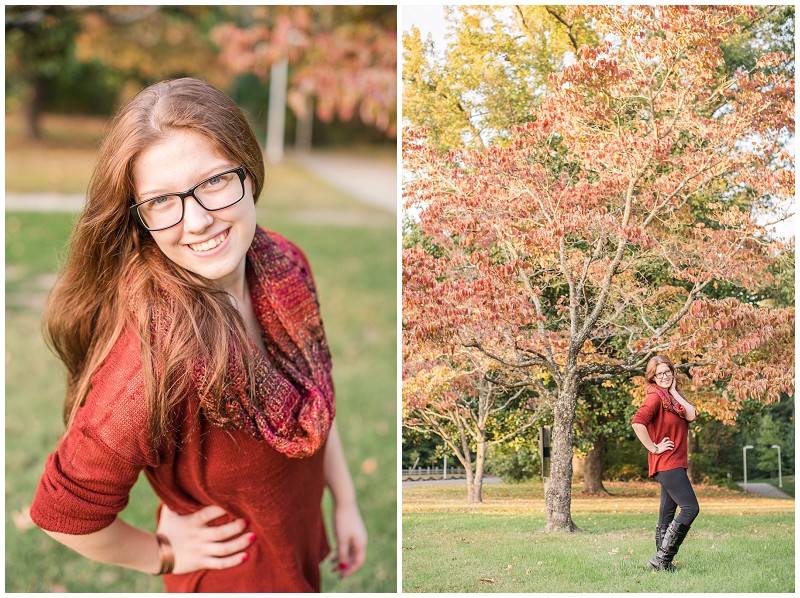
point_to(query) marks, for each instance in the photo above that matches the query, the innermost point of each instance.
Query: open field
(739, 543)
(352, 251)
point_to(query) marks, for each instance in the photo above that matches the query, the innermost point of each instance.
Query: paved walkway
(762, 489)
(371, 181)
(43, 202)
(486, 480)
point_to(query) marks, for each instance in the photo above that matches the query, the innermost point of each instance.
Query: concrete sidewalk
(43, 202)
(371, 181)
(762, 489)
(486, 480)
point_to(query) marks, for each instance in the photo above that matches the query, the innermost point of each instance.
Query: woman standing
(195, 352)
(665, 415)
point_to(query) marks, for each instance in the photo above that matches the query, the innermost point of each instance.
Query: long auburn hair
(652, 366)
(116, 276)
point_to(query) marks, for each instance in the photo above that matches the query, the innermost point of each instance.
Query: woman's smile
(205, 247)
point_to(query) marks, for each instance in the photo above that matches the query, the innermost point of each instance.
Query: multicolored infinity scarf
(292, 405)
(668, 402)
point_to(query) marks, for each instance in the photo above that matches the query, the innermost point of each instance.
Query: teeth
(211, 243)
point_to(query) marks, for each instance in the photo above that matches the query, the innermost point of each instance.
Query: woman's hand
(351, 539)
(198, 545)
(664, 445)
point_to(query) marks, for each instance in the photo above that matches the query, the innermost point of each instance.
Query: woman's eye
(159, 203)
(214, 180)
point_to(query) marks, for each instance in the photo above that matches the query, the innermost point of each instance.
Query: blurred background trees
(90, 59)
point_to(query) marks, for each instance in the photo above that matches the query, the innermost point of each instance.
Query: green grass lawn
(738, 543)
(352, 251)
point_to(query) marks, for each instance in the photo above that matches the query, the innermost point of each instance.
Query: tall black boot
(670, 542)
(661, 529)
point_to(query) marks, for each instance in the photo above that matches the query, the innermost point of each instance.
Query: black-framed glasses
(217, 192)
(663, 375)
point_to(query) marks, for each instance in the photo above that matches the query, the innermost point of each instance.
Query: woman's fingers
(231, 547)
(225, 562)
(208, 514)
(198, 544)
(220, 533)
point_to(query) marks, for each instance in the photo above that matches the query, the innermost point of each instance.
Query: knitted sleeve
(87, 479)
(648, 411)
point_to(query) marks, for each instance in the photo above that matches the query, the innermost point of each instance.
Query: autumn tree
(643, 159)
(467, 405)
(40, 45)
(150, 43)
(343, 58)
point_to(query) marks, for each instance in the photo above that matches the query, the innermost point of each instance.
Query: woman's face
(211, 244)
(663, 375)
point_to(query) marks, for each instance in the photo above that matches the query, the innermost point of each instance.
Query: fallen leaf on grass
(614, 551)
(487, 579)
(509, 567)
(527, 571)
(628, 555)
(58, 588)
(22, 519)
(369, 466)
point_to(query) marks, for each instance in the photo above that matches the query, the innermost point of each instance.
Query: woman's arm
(196, 544)
(119, 544)
(351, 535)
(641, 433)
(691, 412)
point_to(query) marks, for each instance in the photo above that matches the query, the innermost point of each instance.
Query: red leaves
(629, 187)
(349, 66)
(749, 349)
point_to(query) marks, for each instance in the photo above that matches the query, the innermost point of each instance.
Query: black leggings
(676, 490)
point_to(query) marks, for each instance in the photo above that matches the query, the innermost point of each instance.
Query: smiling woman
(665, 414)
(196, 353)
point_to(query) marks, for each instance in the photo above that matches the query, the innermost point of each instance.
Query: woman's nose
(195, 217)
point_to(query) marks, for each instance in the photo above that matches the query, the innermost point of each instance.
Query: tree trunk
(467, 463)
(33, 111)
(593, 469)
(480, 461)
(558, 499)
(693, 472)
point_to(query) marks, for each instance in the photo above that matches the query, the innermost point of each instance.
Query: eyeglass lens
(664, 375)
(215, 193)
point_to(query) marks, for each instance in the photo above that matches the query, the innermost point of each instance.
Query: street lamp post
(744, 459)
(780, 479)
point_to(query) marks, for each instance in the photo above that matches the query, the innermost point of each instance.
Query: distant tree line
(90, 59)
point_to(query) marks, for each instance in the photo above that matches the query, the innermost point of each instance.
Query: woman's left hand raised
(351, 539)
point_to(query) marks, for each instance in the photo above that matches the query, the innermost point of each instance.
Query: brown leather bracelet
(165, 555)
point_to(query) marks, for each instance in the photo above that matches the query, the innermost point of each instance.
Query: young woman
(195, 352)
(665, 415)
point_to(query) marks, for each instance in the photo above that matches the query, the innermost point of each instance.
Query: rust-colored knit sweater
(87, 480)
(660, 423)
